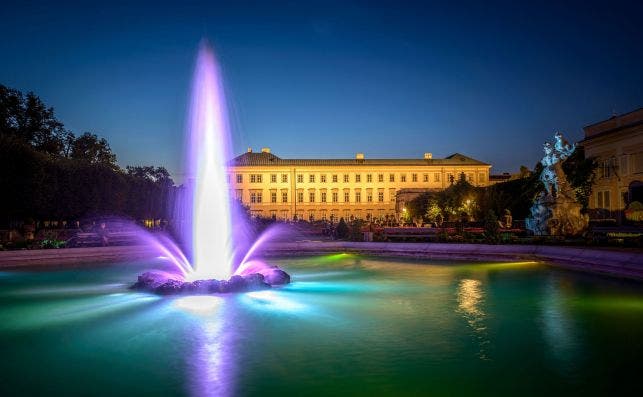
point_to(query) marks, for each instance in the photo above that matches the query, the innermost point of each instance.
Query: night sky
(325, 79)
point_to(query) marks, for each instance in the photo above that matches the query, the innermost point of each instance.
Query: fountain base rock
(162, 284)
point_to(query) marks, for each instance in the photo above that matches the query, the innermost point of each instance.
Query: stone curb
(616, 263)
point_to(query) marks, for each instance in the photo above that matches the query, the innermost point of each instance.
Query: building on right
(617, 146)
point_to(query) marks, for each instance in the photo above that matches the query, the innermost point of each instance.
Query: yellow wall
(620, 162)
(319, 209)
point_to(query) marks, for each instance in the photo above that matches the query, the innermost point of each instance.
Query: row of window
(257, 197)
(257, 178)
(323, 215)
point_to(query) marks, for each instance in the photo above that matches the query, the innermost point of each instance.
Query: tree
(30, 120)
(417, 208)
(580, 172)
(453, 200)
(88, 147)
(51, 174)
(491, 226)
(150, 191)
(342, 229)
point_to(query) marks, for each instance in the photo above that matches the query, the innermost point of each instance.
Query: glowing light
(199, 304)
(208, 152)
(499, 265)
(272, 300)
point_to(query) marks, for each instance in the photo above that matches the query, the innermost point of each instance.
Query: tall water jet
(208, 149)
(204, 212)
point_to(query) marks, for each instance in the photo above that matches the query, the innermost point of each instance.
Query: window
(238, 194)
(402, 177)
(300, 178)
(273, 178)
(391, 195)
(311, 197)
(603, 199)
(255, 197)
(391, 177)
(346, 197)
(623, 167)
(380, 177)
(414, 177)
(323, 178)
(480, 177)
(358, 197)
(345, 178)
(323, 197)
(300, 197)
(425, 177)
(255, 178)
(311, 178)
(380, 197)
(369, 197)
(273, 195)
(284, 178)
(608, 168)
(470, 178)
(284, 197)
(637, 163)
(358, 178)
(450, 178)
(334, 178)
(239, 178)
(335, 197)
(369, 178)
(436, 177)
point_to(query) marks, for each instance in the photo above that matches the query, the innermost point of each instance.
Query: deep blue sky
(324, 79)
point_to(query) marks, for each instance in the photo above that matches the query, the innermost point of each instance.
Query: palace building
(327, 189)
(617, 146)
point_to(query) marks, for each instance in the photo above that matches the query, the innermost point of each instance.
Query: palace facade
(327, 189)
(617, 145)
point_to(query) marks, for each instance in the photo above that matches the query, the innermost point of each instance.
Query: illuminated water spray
(208, 148)
(204, 215)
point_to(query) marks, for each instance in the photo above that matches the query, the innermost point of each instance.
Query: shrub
(491, 227)
(342, 229)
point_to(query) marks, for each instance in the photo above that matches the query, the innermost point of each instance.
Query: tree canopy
(50, 173)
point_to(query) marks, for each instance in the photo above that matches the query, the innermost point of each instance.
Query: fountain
(210, 230)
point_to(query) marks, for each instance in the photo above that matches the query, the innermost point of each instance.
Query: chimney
(428, 156)
(359, 156)
(249, 150)
(265, 150)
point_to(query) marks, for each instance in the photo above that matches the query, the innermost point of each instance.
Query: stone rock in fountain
(162, 284)
(276, 276)
(556, 212)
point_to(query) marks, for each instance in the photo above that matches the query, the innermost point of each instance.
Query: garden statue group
(556, 211)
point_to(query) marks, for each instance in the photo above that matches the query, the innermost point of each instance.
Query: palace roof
(265, 158)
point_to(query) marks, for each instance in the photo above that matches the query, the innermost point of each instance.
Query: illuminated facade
(313, 189)
(617, 145)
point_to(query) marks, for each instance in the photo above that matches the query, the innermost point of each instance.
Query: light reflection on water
(396, 326)
(470, 305)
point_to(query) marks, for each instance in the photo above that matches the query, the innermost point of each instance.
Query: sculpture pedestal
(556, 216)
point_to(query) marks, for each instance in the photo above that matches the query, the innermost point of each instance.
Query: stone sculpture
(556, 210)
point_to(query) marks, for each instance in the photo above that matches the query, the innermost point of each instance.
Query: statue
(556, 211)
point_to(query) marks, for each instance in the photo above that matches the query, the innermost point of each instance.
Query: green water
(347, 325)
